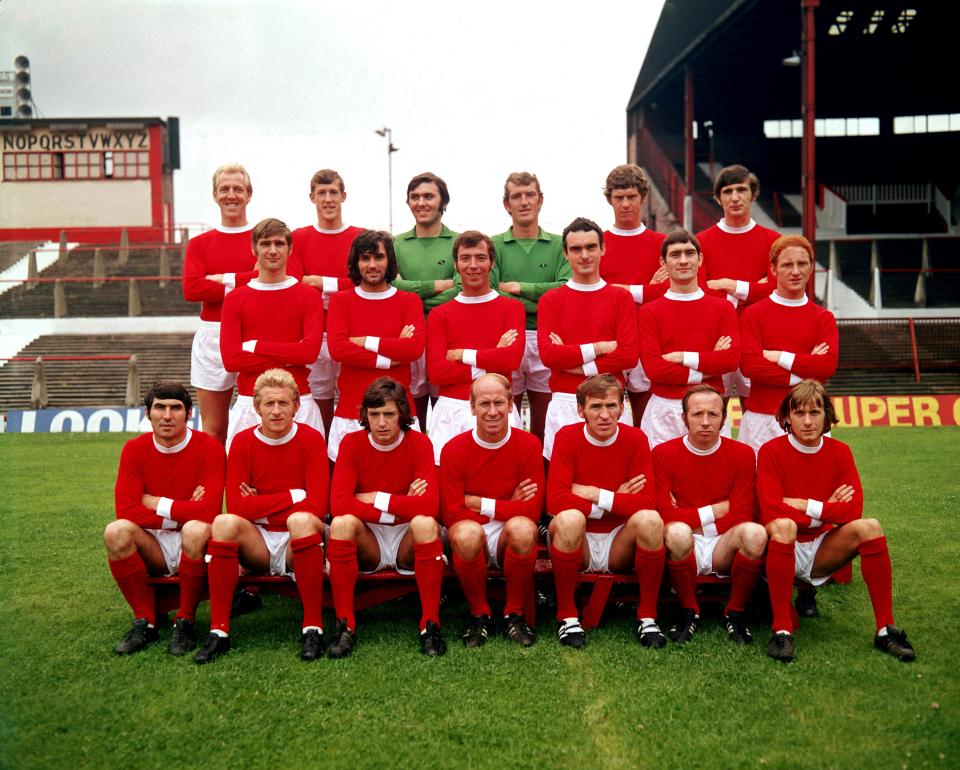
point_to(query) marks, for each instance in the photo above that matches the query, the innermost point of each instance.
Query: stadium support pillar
(133, 298)
(184, 237)
(133, 382)
(31, 269)
(920, 292)
(123, 255)
(62, 253)
(688, 155)
(59, 300)
(807, 155)
(833, 275)
(38, 389)
(876, 295)
(98, 270)
(164, 265)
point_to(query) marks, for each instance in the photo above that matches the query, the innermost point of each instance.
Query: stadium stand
(11, 252)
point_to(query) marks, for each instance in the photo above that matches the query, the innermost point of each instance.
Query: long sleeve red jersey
(226, 251)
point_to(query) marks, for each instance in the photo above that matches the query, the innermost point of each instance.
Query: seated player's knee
(302, 523)
(648, 528)
(194, 537)
(345, 527)
(227, 527)
(567, 529)
(521, 534)
(782, 530)
(118, 535)
(753, 540)
(867, 529)
(678, 538)
(424, 529)
(466, 539)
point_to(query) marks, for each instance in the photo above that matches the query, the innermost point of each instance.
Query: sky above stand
(290, 86)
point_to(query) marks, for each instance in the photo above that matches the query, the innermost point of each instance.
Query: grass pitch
(66, 699)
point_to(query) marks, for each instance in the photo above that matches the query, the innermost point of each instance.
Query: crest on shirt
(542, 265)
(441, 261)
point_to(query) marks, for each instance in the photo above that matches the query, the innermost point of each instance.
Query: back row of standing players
(544, 310)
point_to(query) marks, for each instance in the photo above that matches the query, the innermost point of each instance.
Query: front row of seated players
(604, 492)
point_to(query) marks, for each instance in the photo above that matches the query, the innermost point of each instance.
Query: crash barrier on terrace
(39, 393)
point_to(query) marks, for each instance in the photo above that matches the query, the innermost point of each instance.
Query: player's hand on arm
(361, 341)
(604, 346)
(820, 350)
(455, 354)
(576, 371)
(366, 497)
(727, 285)
(674, 357)
(246, 490)
(407, 331)
(586, 492)
(622, 286)
(633, 486)
(773, 356)
(720, 509)
(800, 503)
(842, 494)
(526, 490)
(510, 287)
(473, 503)
(723, 343)
(215, 277)
(507, 338)
(312, 280)
(442, 285)
(150, 501)
(660, 276)
(555, 338)
(198, 494)
(673, 500)
(418, 487)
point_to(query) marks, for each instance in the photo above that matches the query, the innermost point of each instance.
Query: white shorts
(419, 386)
(169, 541)
(450, 417)
(206, 365)
(805, 553)
(388, 538)
(562, 410)
(663, 420)
(492, 530)
(756, 429)
(735, 384)
(322, 374)
(276, 543)
(341, 426)
(243, 415)
(599, 544)
(703, 547)
(532, 374)
(637, 380)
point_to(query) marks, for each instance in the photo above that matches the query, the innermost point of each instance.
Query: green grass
(66, 699)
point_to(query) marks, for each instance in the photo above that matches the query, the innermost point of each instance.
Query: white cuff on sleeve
(814, 509)
(596, 512)
(710, 530)
(742, 291)
(168, 524)
(814, 523)
(786, 360)
(264, 520)
(695, 377)
(164, 506)
(705, 513)
(330, 285)
(488, 507)
(249, 346)
(475, 372)
(636, 291)
(387, 518)
(382, 501)
(691, 359)
(470, 357)
(794, 379)
(589, 352)
(383, 362)
(606, 500)
(230, 280)
(372, 344)
(590, 369)
(298, 495)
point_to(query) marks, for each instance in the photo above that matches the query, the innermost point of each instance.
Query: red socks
(223, 573)
(781, 568)
(566, 571)
(131, 576)
(875, 568)
(518, 571)
(428, 571)
(649, 568)
(193, 579)
(308, 569)
(472, 575)
(342, 555)
(683, 577)
(744, 575)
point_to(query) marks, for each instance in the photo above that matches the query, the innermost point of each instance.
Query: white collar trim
(330, 232)
(390, 447)
(698, 294)
(276, 441)
(492, 445)
(172, 450)
(233, 230)
(635, 231)
(286, 283)
(597, 442)
(786, 302)
(722, 224)
(807, 450)
(488, 297)
(586, 286)
(375, 294)
(701, 452)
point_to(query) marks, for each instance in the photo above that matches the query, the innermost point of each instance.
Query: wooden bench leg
(593, 610)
